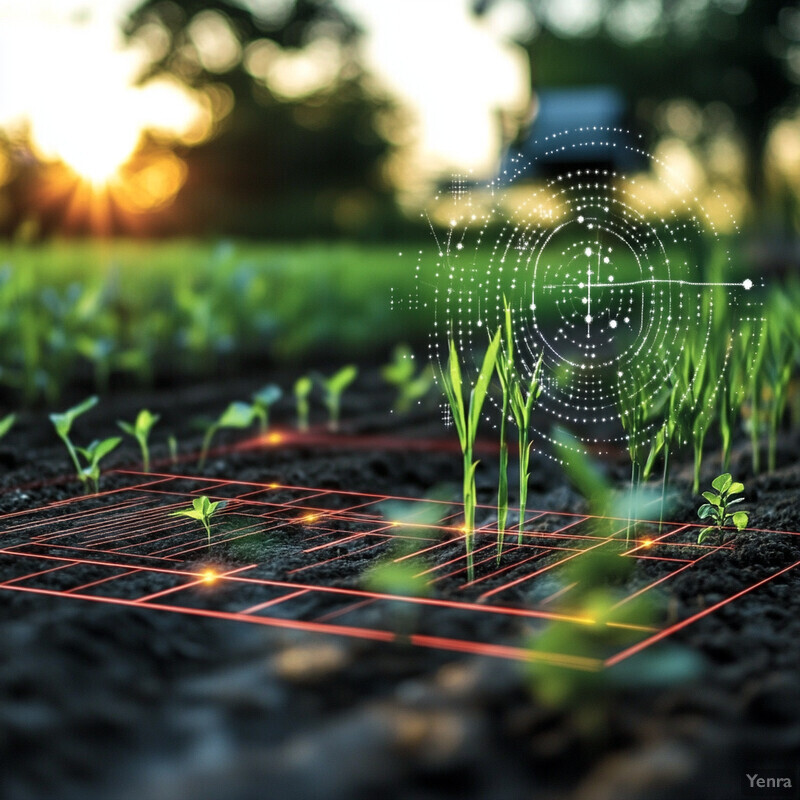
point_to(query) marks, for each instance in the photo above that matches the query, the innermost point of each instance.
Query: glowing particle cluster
(604, 285)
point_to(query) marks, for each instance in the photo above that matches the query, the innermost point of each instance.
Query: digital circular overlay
(609, 277)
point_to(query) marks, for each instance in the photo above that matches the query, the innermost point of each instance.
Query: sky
(63, 69)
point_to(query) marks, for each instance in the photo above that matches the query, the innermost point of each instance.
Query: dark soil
(103, 701)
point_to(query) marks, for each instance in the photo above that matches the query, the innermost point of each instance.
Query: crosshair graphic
(611, 277)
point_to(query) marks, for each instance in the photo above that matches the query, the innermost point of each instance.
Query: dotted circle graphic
(607, 275)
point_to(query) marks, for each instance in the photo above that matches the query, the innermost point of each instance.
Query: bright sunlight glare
(70, 81)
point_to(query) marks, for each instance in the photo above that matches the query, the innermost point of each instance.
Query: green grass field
(137, 308)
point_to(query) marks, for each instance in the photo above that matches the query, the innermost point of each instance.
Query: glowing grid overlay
(122, 547)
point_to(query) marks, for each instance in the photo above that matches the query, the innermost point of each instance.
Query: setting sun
(79, 103)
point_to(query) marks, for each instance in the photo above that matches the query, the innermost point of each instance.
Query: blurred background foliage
(296, 135)
(286, 121)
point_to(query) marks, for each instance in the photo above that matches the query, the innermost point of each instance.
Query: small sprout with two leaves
(401, 372)
(88, 474)
(717, 509)
(263, 400)
(302, 389)
(202, 510)
(333, 388)
(140, 430)
(97, 450)
(236, 415)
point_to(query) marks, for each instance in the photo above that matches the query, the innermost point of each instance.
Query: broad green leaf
(735, 488)
(236, 415)
(63, 421)
(188, 512)
(102, 449)
(712, 498)
(722, 482)
(705, 511)
(453, 388)
(145, 421)
(703, 534)
(268, 395)
(302, 387)
(740, 519)
(401, 368)
(126, 427)
(6, 423)
(199, 504)
(340, 380)
(478, 394)
(218, 505)
(82, 408)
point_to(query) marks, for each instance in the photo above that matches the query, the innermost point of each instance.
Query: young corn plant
(302, 389)
(202, 510)
(333, 388)
(466, 417)
(401, 373)
(754, 392)
(263, 400)
(699, 404)
(778, 362)
(733, 392)
(236, 415)
(522, 402)
(717, 509)
(506, 374)
(520, 399)
(140, 430)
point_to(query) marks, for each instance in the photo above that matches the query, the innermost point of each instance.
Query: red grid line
(119, 536)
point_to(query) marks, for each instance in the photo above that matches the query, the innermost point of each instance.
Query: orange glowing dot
(310, 517)
(274, 438)
(648, 542)
(273, 486)
(209, 576)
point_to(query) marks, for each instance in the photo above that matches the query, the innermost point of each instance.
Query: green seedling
(63, 424)
(333, 388)
(88, 474)
(466, 419)
(202, 510)
(520, 400)
(302, 389)
(522, 403)
(401, 373)
(236, 415)
(505, 371)
(172, 445)
(97, 450)
(140, 430)
(778, 363)
(717, 509)
(6, 424)
(263, 400)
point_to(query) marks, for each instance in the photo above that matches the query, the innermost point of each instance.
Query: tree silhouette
(275, 165)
